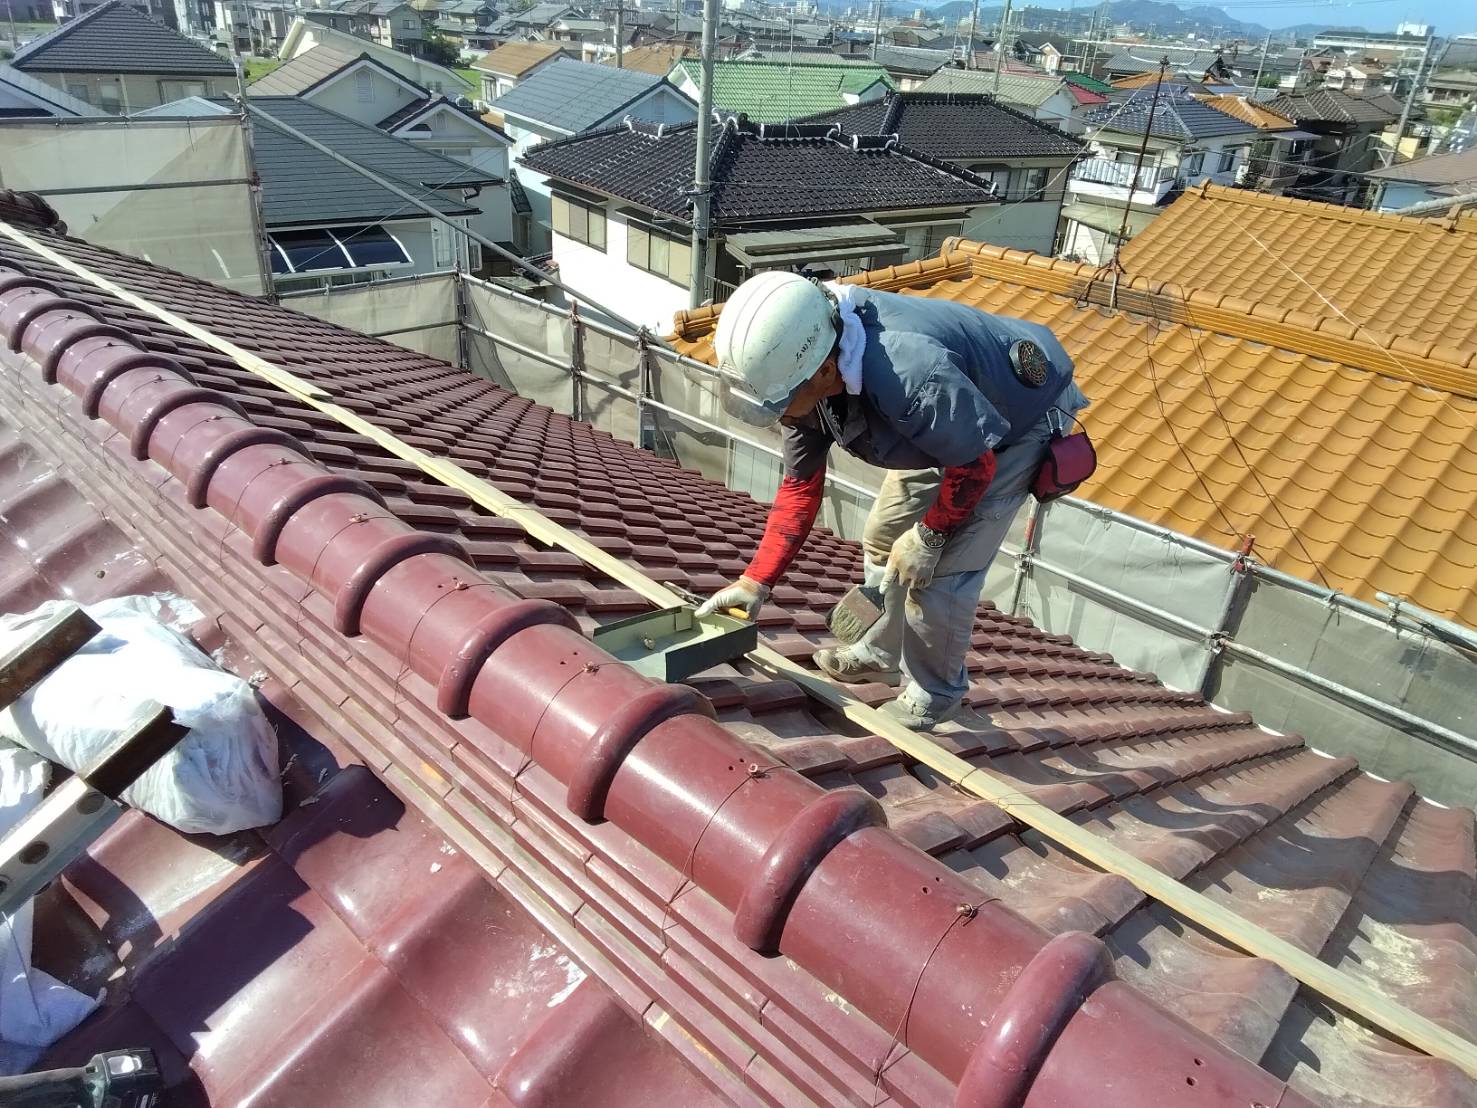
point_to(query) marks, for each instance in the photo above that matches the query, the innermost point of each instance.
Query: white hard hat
(772, 336)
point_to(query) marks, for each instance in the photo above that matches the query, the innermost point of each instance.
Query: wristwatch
(932, 539)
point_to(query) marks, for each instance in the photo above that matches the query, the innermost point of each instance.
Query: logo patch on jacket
(1030, 363)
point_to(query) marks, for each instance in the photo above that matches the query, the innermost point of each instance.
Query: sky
(1374, 15)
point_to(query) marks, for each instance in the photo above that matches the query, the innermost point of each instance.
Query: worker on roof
(956, 404)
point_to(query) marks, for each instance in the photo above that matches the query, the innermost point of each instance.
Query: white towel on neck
(853, 338)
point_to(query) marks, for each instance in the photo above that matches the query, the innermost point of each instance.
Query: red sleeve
(791, 517)
(961, 489)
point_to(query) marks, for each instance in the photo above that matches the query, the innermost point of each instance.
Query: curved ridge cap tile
(349, 601)
(277, 517)
(454, 688)
(85, 328)
(617, 737)
(197, 483)
(1041, 1002)
(127, 359)
(146, 421)
(21, 305)
(760, 916)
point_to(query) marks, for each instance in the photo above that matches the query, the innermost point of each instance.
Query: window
(80, 91)
(666, 256)
(580, 221)
(1030, 184)
(926, 241)
(317, 249)
(110, 96)
(364, 87)
(1192, 165)
(178, 90)
(1228, 159)
(997, 176)
(408, 24)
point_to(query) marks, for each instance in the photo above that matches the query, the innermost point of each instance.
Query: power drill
(117, 1079)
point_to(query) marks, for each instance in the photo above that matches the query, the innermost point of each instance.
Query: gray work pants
(926, 631)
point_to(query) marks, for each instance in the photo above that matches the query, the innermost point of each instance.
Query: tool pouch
(1070, 460)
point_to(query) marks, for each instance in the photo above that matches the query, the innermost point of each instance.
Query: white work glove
(744, 593)
(911, 562)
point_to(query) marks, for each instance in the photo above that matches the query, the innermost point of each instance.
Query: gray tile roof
(1014, 88)
(574, 96)
(301, 186)
(309, 69)
(1326, 105)
(909, 59)
(1443, 169)
(1178, 115)
(760, 171)
(118, 38)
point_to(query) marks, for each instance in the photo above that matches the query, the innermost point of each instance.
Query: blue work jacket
(941, 384)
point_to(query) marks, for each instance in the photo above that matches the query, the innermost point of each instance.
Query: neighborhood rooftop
(954, 126)
(116, 37)
(571, 96)
(771, 91)
(759, 171)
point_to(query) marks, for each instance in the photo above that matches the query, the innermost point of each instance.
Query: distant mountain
(1144, 16)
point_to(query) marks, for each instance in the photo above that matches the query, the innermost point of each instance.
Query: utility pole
(974, 26)
(620, 34)
(1000, 48)
(1261, 65)
(702, 186)
(877, 29)
(1416, 84)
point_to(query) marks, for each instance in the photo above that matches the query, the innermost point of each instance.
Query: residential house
(657, 59)
(771, 91)
(1346, 140)
(1046, 50)
(1129, 178)
(1280, 153)
(797, 196)
(1451, 88)
(1190, 62)
(530, 24)
(1435, 178)
(367, 91)
(64, 11)
(1359, 77)
(328, 226)
(1054, 100)
(1027, 161)
(504, 67)
(253, 26)
(565, 98)
(908, 66)
(577, 30)
(394, 24)
(25, 97)
(121, 60)
(305, 34)
(465, 19)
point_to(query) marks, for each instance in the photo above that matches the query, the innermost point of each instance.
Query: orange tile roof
(1410, 280)
(656, 59)
(1243, 109)
(1151, 77)
(516, 58)
(1304, 435)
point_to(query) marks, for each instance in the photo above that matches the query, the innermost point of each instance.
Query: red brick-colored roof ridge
(980, 993)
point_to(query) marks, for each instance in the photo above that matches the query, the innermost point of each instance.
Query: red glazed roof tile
(887, 988)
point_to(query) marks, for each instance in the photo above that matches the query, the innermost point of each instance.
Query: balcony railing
(1105, 171)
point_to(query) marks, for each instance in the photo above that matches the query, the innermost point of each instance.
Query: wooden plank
(1368, 1003)
(48, 645)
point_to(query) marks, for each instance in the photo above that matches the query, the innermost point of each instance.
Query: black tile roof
(301, 186)
(118, 38)
(954, 126)
(1178, 115)
(759, 171)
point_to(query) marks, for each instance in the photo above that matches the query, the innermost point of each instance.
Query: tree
(441, 50)
(1271, 80)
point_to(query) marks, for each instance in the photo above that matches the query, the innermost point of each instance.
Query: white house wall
(640, 296)
(343, 95)
(1022, 226)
